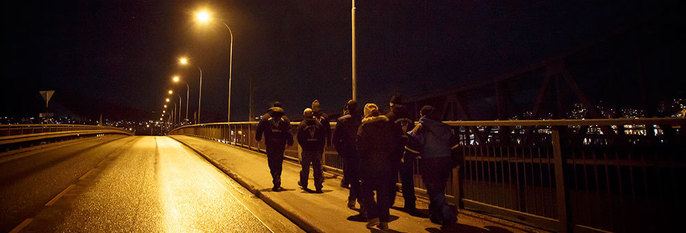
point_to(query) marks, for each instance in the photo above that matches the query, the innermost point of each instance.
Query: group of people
(375, 148)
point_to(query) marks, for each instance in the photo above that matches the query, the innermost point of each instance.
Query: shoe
(435, 219)
(276, 188)
(371, 223)
(351, 204)
(303, 187)
(319, 190)
(383, 226)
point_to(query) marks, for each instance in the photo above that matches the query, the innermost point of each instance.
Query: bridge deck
(326, 212)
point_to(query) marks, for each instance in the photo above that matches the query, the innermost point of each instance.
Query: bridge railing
(621, 175)
(22, 129)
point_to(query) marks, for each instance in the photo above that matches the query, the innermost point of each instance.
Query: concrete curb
(290, 214)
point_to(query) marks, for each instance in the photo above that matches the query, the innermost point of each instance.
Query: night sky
(117, 57)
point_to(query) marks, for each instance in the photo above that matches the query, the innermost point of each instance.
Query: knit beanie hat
(315, 105)
(370, 109)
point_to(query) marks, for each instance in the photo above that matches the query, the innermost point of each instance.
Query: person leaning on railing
(432, 141)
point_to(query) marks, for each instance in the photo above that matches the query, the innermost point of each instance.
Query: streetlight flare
(165, 106)
(176, 78)
(167, 99)
(183, 61)
(171, 92)
(202, 16)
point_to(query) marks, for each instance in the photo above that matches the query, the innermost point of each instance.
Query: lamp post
(176, 79)
(184, 61)
(354, 69)
(178, 111)
(205, 17)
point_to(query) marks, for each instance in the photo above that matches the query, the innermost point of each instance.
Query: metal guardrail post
(561, 189)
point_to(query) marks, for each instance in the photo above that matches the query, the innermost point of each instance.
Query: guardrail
(17, 136)
(621, 175)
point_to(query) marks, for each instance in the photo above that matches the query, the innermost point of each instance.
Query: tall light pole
(354, 68)
(205, 17)
(176, 79)
(178, 111)
(184, 61)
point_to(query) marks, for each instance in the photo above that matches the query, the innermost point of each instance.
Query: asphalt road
(127, 184)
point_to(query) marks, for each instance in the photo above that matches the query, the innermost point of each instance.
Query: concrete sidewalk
(320, 212)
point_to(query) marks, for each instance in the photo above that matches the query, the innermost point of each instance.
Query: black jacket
(324, 120)
(378, 143)
(275, 129)
(345, 133)
(311, 135)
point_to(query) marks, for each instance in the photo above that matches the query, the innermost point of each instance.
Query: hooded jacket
(432, 139)
(378, 141)
(311, 135)
(275, 129)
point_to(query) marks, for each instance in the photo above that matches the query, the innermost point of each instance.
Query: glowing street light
(203, 16)
(166, 100)
(171, 92)
(165, 106)
(163, 111)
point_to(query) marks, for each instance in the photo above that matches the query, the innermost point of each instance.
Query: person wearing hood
(377, 142)
(323, 119)
(401, 118)
(266, 115)
(344, 141)
(311, 140)
(433, 141)
(276, 135)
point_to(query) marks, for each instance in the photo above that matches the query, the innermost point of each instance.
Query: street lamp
(205, 17)
(354, 70)
(184, 61)
(178, 111)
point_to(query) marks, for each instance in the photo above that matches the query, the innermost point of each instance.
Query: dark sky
(117, 57)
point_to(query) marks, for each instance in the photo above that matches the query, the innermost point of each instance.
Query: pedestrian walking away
(434, 142)
(344, 141)
(377, 142)
(276, 135)
(311, 140)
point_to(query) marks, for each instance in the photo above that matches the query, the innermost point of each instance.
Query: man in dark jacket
(401, 118)
(311, 140)
(377, 143)
(433, 141)
(323, 119)
(344, 140)
(276, 135)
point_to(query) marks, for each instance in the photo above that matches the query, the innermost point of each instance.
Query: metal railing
(621, 175)
(22, 129)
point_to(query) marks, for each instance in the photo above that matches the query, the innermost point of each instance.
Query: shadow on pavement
(468, 229)
(280, 190)
(422, 213)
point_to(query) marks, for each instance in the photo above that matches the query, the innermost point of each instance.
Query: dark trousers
(313, 158)
(378, 207)
(275, 162)
(435, 173)
(351, 171)
(407, 180)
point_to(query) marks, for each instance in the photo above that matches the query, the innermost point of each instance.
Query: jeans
(435, 173)
(315, 159)
(275, 161)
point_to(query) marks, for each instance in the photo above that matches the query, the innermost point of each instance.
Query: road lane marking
(203, 161)
(21, 225)
(87, 173)
(51, 202)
